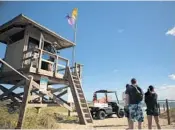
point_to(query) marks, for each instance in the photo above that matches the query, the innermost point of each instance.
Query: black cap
(133, 81)
(151, 88)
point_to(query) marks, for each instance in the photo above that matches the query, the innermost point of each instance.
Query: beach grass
(47, 118)
(53, 118)
(172, 115)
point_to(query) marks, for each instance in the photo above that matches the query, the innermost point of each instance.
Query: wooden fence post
(164, 107)
(69, 110)
(168, 113)
(159, 108)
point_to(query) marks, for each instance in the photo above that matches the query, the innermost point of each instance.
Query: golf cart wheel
(120, 114)
(101, 115)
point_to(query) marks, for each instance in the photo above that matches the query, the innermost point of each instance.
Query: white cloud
(120, 30)
(172, 76)
(171, 32)
(166, 92)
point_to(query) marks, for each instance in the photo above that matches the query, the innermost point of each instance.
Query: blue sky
(115, 40)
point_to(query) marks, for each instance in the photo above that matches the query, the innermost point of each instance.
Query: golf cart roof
(104, 91)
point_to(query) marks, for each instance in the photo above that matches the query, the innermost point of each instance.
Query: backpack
(138, 94)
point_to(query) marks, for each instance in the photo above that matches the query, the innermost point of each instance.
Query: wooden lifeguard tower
(32, 62)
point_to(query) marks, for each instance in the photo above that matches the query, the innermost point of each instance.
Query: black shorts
(152, 112)
(126, 112)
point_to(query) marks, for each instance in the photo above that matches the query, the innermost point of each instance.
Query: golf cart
(103, 107)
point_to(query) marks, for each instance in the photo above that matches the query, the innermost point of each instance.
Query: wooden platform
(12, 77)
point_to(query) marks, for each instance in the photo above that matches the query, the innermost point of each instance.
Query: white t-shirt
(124, 98)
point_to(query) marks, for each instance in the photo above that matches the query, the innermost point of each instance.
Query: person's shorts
(126, 110)
(152, 112)
(136, 112)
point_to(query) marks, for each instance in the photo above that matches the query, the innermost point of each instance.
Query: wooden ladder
(79, 98)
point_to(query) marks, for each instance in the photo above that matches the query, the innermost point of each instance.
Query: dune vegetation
(172, 115)
(49, 117)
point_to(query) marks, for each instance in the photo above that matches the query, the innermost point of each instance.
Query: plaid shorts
(136, 112)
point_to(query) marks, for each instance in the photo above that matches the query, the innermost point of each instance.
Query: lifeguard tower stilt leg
(27, 90)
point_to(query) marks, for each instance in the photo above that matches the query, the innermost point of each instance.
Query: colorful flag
(75, 13)
(71, 20)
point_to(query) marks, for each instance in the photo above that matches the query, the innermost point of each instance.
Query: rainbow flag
(72, 19)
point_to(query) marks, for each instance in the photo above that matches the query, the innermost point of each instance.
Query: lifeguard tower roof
(18, 23)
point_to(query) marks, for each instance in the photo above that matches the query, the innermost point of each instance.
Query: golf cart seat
(113, 105)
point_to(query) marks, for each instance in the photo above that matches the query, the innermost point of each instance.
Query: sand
(115, 123)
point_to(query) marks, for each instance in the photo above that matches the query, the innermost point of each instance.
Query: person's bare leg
(128, 124)
(131, 124)
(156, 118)
(149, 121)
(139, 125)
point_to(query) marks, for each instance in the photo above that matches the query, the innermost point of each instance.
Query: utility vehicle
(103, 108)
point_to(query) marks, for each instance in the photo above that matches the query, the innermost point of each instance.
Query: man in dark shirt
(134, 95)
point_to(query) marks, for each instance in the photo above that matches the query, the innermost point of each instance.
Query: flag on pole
(75, 13)
(72, 18)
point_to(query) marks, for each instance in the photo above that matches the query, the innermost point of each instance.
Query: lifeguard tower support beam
(32, 52)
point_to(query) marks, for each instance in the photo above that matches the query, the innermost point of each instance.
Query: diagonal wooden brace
(62, 93)
(8, 91)
(9, 95)
(53, 96)
(3, 89)
(58, 89)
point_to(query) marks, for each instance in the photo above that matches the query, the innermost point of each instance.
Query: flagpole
(73, 60)
(73, 50)
(73, 55)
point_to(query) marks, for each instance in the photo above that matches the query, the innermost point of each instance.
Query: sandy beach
(115, 123)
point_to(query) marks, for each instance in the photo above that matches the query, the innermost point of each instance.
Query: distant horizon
(171, 103)
(157, 100)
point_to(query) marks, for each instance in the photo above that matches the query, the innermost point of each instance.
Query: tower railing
(37, 58)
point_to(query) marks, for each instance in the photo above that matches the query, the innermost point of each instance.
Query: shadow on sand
(109, 126)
